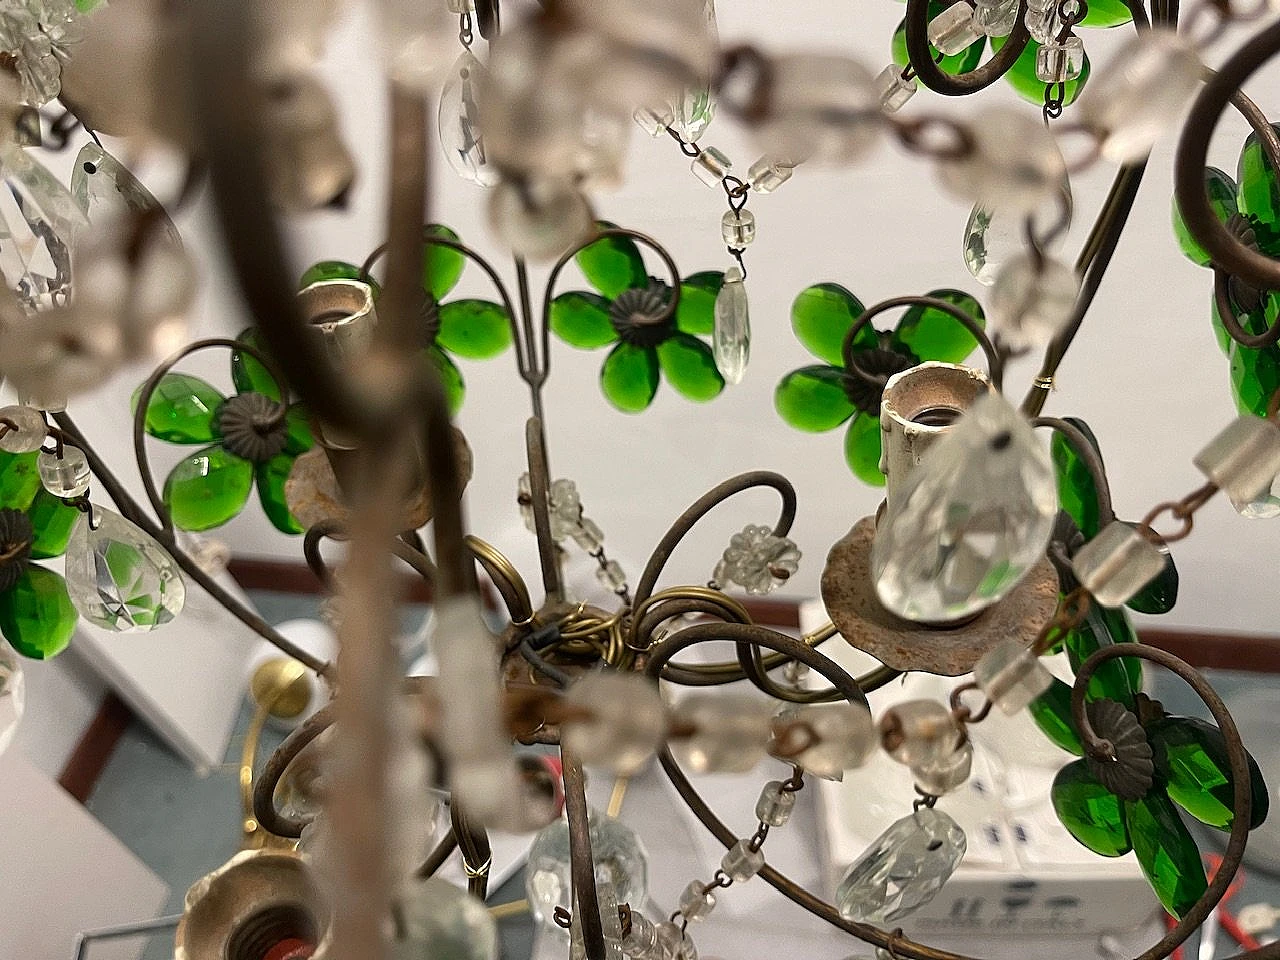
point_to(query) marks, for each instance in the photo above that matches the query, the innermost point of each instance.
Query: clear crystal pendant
(694, 110)
(903, 869)
(731, 336)
(39, 223)
(13, 696)
(459, 118)
(119, 577)
(989, 240)
(970, 521)
(106, 191)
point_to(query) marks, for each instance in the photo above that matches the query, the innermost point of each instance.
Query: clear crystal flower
(757, 560)
(566, 506)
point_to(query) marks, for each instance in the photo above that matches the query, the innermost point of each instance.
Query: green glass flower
(823, 396)
(627, 310)
(252, 435)
(37, 617)
(470, 328)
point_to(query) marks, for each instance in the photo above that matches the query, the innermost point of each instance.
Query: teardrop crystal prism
(107, 191)
(903, 869)
(989, 240)
(13, 696)
(970, 521)
(731, 335)
(119, 577)
(459, 121)
(39, 223)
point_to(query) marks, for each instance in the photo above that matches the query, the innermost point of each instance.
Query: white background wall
(1144, 371)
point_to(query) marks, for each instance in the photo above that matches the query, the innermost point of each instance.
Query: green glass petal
(696, 311)
(961, 62)
(1255, 376)
(1222, 199)
(1115, 680)
(581, 319)
(1052, 713)
(475, 329)
(336, 270)
(181, 409)
(1090, 812)
(1253, 321)
(1077, 493)
(613, 264)
(629, 377)
(1191, 758)
(1022, 75)
(690, 367)
(441, 266)
(813, 399)
(1166, 852)
(298, 435)
(19, 480)
(36, 614)
(821, 315)
(1161, 594)
(272, 475)
(862, 449)
(455, 390)
(1259, 192)
(207, 488)
(52, 520)
(247, 373)
(1106, 13)
(933, 334)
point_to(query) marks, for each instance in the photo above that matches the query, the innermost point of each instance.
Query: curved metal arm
(1092, 461)
(1231, 323)
(920, 55)
(332, 530)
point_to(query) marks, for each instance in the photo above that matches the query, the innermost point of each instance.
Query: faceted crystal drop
(903, 869)
(460, 135)
(13, 696)
(119, 577)
(107, 192)
(64, 476)
(971, 520)
(989, 240)
(693, 113)
(437, 920)
(39, 223)
(1191, 757)
(618, 855)
(24, 429)
(731, 338)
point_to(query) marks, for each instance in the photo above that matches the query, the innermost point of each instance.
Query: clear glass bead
(627, 724)
(894, 89)
(119, 577)
(461, 136)
(66, 476)
(775, 804)
(676, 943)
(902, 870)
(1043, 24)
(1244, 459)
(953, 29)
(919, 732)
(731, 334)
(1011, 676)
(825, 110)
(1141, 92)
(767, 174)
(1117, 563)
(435, 918)
(308, 166)
(727, 733)
(1031, 303)
(970, 521)
(696, 902)
(1059, 62)
(740, 863)
(1013, 165)
(943, 775)
(996, 18)
(641, 941)
(757, 560)
(710, 166)
(738, 228)
(619, 858)
(611, 576)
(539, 219)
(588, 535)
(843, 737)
(652, 121)
(26, 429)
(13, 696)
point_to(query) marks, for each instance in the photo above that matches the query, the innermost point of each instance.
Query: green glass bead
(298, 435)
(581, 320)
(1106, 13)
(933, 334)
(813, 399)
(181, 409)
(36, 614)
(1252, 322)
(1166, 852)
(1258, 192)
(1222, 199)
(207, 488)
(441, 266)
(1051, 712)
(52, 520)
(1255, 376)
(629, 377)
(961, 62)
(336, 270)
(19, 480)
(88, 6)
(1077, 493)
(247, 373)
(475, 329)
(455, 389)
(696, 311)
(1161, 594)
(1191, 758)
(1115, 679)
(613, 264)
(821, 315)
(1090, 812)
(690, 367)
(272, 475)
(1022, 75)
(862, 449)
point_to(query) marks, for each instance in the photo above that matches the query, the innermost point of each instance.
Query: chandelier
(992, 549)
